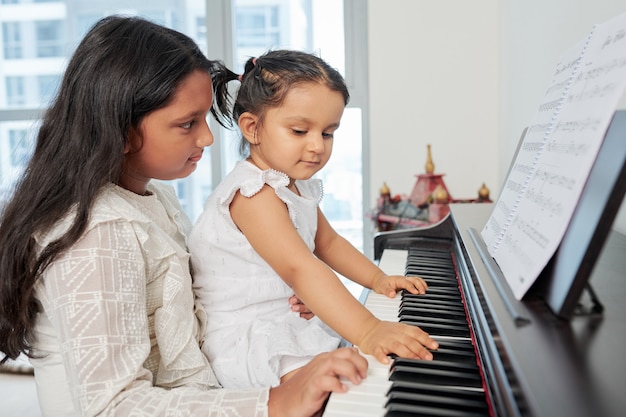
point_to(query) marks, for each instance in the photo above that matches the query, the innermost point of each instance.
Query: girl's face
(170, 141)
(296, 138)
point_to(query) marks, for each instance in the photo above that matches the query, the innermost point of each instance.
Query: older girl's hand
(304, 394)
(298, 306)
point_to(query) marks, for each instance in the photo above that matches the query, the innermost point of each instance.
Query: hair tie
(240, 77)
(254, 61)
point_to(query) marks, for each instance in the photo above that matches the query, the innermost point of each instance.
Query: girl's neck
(139, 188)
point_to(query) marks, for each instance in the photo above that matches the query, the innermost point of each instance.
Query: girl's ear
(133, 140)
(248, 124)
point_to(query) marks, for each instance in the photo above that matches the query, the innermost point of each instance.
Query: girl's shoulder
(115, 204)
(248, 179)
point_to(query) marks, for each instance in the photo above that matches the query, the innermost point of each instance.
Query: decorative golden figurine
(483, 193)
(430, 166)
(384, 190)
(440, 195)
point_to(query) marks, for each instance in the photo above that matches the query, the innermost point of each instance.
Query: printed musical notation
(559, 149)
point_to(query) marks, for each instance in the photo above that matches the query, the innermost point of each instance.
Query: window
(12, 40)
(260, 25)
(16, 94)
(49, 35)
(15, 149)
(257, 26)
(20, 147)
(47, 86)
(37, 50)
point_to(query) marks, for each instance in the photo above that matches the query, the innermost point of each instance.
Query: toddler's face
(296, 138)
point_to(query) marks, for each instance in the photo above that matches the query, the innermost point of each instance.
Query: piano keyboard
(449, 385)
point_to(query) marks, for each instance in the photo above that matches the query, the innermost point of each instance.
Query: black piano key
(442, 290)
(427, 261)
(461, 345)
(449, 403)
(435, 290)
(416, 250)
(436, 376)
(452, 316)
(448, 328)
(417, 307)
(429, 270)
(452, 296)
(434, 269)
(433, 312)
(476, 395)
(435, 364)
(428, 258)
(426, 302)
(412, 398)
(415, 253)
(409, 410)
(439, 281)
(408, 314)
(436, 326)
(454, 355)
(417, 258)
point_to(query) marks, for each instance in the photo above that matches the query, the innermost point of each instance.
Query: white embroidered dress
(119, 330)
(252, 336)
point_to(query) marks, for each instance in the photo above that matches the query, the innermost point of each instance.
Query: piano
(499, 356)
(490, 362)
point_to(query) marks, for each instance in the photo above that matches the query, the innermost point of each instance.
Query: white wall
(433, 68)
(466, 77)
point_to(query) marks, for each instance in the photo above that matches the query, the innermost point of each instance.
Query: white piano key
(366, 399)
(393, 261)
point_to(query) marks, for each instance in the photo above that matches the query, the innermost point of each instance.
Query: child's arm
(265, 222)
(347, 260)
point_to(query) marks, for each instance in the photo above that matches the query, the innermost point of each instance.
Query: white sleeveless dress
(252, 336)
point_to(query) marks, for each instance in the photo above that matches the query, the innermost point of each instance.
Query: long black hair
(123, 69)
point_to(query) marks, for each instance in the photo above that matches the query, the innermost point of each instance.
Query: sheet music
(546, 180)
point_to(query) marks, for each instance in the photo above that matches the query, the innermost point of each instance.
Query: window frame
(219, 24)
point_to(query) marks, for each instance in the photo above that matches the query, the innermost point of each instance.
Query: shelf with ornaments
(427, 204)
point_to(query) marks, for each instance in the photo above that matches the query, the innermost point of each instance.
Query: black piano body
(536, 363)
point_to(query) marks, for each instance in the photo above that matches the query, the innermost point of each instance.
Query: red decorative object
(424, 188)
(428, 203)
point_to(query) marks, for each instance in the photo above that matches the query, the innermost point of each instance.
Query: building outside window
(11, 40)
(49, 38)
(15, 91)
(38, 36)
(46, 87)
(20, 148)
